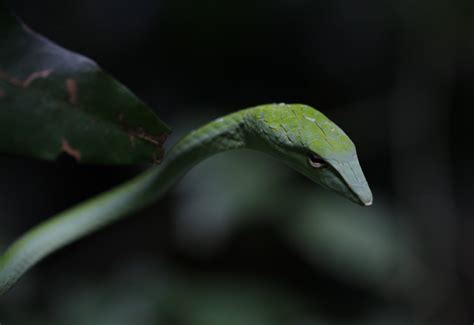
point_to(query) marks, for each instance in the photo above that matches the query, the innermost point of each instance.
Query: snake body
(298, 135)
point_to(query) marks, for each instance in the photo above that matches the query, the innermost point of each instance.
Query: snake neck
(223, 134)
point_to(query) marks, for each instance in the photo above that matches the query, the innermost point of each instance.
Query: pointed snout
(363, 194)
(352, 174)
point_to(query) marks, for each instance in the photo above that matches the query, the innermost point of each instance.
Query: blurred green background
(242, 239)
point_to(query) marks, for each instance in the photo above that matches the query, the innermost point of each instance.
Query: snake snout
(353, 176)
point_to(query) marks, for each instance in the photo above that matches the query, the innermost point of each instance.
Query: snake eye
(316, 161)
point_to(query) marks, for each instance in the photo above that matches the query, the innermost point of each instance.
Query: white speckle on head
(310, 119)
(220, 119)
(333, 130)
(281, 104)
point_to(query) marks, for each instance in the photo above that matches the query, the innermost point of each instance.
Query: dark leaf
(54, 101)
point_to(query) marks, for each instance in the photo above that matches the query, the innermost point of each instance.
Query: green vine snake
(298, 135)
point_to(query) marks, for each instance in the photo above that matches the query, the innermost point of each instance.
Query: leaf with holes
(54, 101)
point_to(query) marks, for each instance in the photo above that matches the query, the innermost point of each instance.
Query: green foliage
(154, 292)
(54, 101)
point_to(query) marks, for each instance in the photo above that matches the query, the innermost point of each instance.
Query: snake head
(312, 144)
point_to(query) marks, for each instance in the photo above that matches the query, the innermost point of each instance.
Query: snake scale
(298, 135)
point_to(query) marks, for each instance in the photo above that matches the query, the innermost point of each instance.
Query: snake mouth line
(364, 195)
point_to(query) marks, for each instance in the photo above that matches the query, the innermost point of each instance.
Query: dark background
(243, 240)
